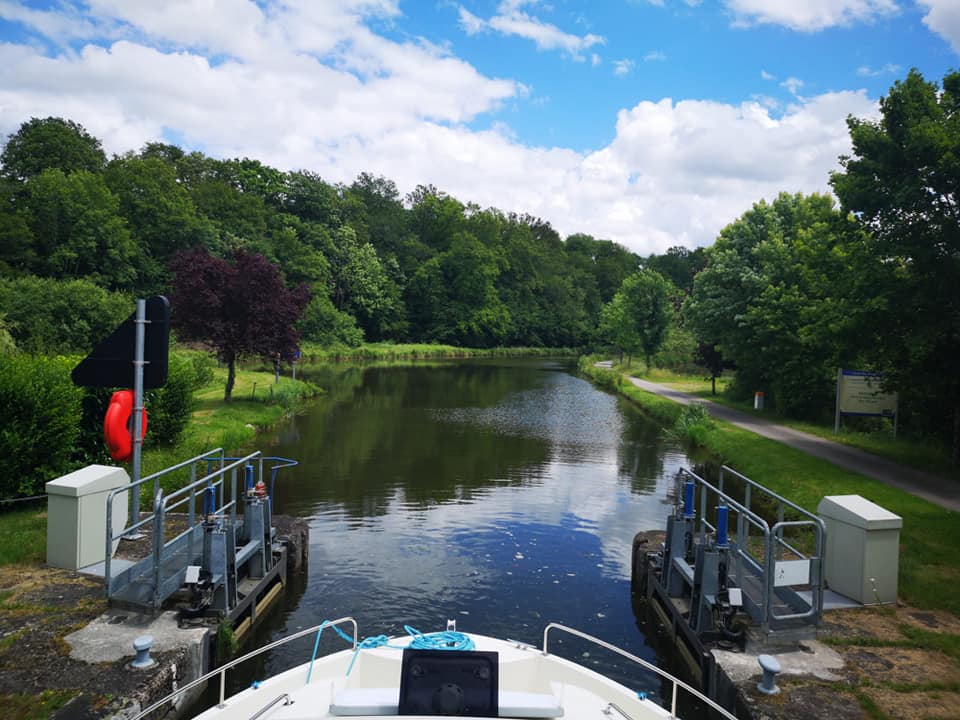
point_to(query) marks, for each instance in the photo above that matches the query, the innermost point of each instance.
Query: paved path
(940, 491)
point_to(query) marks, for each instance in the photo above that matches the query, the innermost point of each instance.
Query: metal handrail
(135, 487)
(269, 706)
(816, 603)
(779, 498)
(216, 477)
(677, 682)
(772, 538)
(222, 670)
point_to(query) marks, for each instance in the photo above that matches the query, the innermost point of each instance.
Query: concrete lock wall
(77, 515)
(863, 548)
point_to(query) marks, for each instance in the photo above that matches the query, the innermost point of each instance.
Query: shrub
(289, 394)
(41, 410)
(322, 323)
(169, 407)
(693, 423)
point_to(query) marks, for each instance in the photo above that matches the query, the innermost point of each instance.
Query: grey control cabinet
(77, 515)
(863, 548)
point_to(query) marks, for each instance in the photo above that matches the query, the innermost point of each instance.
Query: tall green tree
(453, 297)
(679, 265)
(638, 316)
(159, 210)
(774, 299)
(77, 230)
(902, 182)
(50, 143)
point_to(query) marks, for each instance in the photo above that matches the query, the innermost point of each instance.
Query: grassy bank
(929, 562)
(415, 351)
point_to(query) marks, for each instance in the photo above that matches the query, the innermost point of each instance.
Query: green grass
(23, 536)
(257, 403)
(929, 562)
(390, 351)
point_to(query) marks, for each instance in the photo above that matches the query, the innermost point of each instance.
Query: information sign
(859, 393)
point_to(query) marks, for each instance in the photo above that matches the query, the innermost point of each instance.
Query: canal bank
(900, 660)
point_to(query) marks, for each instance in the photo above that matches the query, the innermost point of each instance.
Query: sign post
(859, 393)
(135, 354)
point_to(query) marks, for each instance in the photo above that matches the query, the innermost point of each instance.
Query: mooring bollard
(771, 667)
(142, 647)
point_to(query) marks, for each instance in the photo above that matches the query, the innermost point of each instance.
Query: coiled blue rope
(444, 640)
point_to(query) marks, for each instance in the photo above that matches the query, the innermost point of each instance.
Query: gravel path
(940, 491)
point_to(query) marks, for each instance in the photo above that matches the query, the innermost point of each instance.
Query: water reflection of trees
(371, 440)
(640, 452)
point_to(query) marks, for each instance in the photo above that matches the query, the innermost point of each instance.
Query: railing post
(769, 569)
(158, 526)
(108, 550)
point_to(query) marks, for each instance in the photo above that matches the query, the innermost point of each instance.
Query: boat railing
(222, 670)
(676, 683)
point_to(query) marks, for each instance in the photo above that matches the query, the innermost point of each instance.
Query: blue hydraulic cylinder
(209, 502)
(248, 472)
(722, 540)
(688, 509)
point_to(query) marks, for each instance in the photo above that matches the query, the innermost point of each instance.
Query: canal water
(503, 494)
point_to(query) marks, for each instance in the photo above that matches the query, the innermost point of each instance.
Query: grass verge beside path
(929, 561)
(913, 453)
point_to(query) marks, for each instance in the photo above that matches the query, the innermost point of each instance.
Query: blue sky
(650, 122)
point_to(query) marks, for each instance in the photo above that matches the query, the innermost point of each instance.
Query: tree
(77, 230)
(638, 316)
(679, 265)
(902, 182)
(46, 316)
(239, 307)
(453, 297)
(51, 143)
(709, 357)
(774, 299)
(159, 210)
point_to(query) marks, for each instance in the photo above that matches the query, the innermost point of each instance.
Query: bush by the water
(693, 423)
(290, 395)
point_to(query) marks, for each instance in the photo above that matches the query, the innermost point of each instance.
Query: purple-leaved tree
(237, 307)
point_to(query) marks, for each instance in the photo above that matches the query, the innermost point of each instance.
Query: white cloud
(888, 69)
(512, 20)
(809, 15)
(301, 88)
(767, 76)
(792, 84)
(623, 67)
(595, 59)
(943, 18)
(654, 55)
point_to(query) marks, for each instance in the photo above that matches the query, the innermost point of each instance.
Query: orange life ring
(118, 425)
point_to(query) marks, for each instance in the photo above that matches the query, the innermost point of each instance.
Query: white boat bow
(494, 678)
